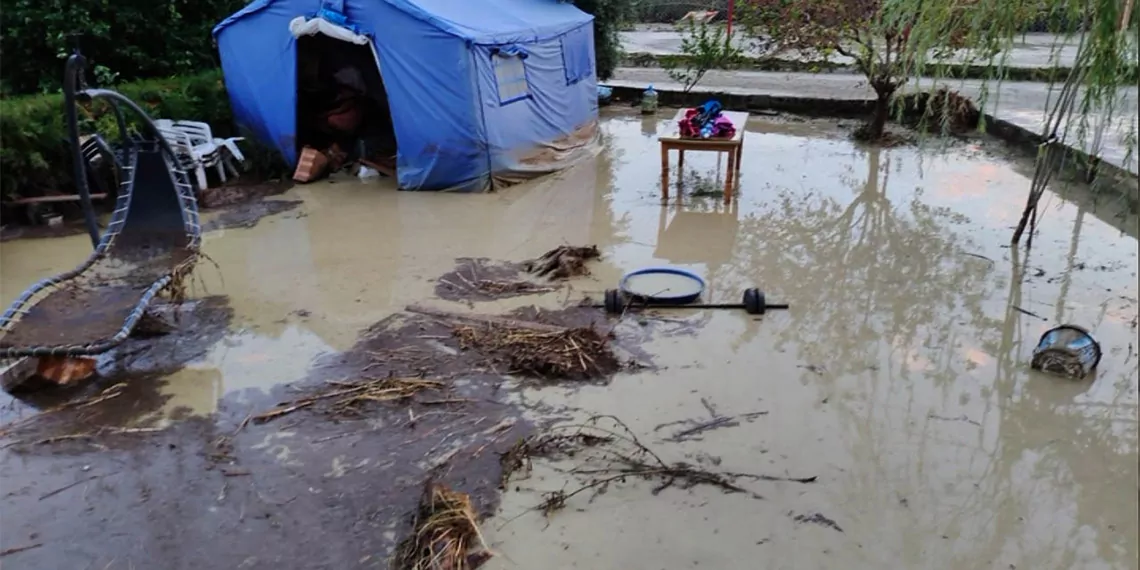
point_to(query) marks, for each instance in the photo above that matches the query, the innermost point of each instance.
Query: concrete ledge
(947, 70)
(746, 101)
(1102, 176)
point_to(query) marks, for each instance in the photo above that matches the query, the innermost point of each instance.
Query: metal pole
(71, 82)
(728, 26)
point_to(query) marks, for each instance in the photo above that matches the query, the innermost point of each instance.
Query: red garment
(722, 127)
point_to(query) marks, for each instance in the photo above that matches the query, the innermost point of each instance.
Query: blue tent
(481, 92)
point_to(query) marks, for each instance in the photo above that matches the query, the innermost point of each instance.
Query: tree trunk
(883, 91)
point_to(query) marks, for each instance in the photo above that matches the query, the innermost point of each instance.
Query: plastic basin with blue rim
(663, 285)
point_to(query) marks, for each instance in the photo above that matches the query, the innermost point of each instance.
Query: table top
(739, 120)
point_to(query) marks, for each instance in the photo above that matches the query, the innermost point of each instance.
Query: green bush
(609, 16)
(124, 40)
(35, 157)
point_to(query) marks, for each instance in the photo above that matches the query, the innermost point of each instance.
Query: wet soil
(240, 193)
(242, 205)
(94, 305)
(139, 363)
(317, 489)
(481, 279)
(247, 215)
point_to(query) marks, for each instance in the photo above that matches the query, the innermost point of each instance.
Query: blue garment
(474, 86)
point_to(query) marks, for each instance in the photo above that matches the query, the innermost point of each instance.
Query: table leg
(730, 176)
(664, 173)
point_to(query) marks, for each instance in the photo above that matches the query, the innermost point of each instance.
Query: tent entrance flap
(342, 104)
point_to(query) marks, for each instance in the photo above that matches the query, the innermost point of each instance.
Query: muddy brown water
(899, 377)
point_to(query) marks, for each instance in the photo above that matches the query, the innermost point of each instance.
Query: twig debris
(347, 396)
(16, 549)
(563, 262)
(607, 451)
(569, 353)
(445, 534)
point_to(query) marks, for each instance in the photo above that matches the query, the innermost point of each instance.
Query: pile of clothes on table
(707, 122)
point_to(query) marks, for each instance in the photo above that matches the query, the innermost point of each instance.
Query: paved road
(1020, 103)
(1034, 50)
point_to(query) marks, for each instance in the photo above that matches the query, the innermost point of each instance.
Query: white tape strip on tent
(299, 27)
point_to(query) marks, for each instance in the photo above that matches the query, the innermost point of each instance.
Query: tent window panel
(510, 78)
(576, 58)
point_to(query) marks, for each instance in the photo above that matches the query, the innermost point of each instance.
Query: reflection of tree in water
(858, 274)
(1031, 471)
(1057, 459)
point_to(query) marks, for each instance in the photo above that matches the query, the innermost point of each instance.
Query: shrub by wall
(124, 40)
(609, 15)
(35, 157)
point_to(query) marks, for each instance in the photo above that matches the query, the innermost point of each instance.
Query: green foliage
(706, 47)
(609, 16)
(1106, 38)
(35, 156)
(872, 33)
(124, 40)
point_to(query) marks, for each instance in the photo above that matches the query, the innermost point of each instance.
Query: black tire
(613, 302)
(754, 303)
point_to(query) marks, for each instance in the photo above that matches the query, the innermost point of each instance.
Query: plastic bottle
(649, 101)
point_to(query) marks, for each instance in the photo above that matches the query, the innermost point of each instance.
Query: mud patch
(481, 279)
(239, 193)
(125, 387)
(325, 487)
(248, 215)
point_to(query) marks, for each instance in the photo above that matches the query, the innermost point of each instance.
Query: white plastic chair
(196, 157)
(204, 145)
(201, 133)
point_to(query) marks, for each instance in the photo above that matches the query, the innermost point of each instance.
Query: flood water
(899, 376)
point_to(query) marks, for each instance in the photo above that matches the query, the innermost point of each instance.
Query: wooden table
(734, 147)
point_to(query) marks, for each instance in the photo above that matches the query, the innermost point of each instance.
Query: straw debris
(498, 288)
(346, 397)
(573, 353)
(563, 262)
(445, 534)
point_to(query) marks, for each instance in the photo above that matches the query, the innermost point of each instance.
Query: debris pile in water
(950, 110)
(445, 535)
(580, 353)
(563, 262)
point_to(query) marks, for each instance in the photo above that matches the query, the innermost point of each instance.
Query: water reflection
(911, 316)
(717, 225)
